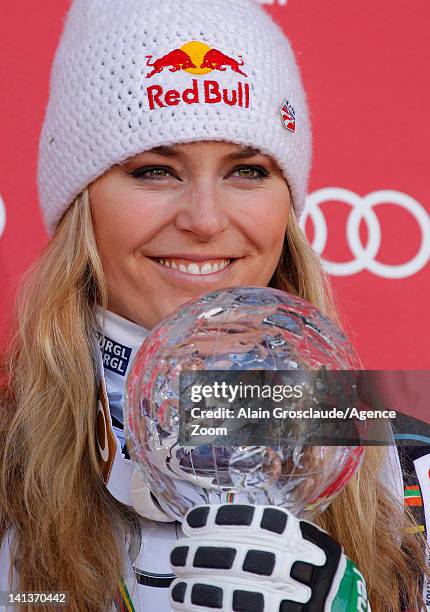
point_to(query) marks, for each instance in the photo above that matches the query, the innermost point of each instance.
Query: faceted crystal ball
(239, 328)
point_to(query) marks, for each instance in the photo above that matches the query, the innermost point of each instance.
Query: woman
(176, 138)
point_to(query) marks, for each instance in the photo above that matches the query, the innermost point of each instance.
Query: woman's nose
(203, 212)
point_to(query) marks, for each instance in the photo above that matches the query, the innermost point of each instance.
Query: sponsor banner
(367, 212)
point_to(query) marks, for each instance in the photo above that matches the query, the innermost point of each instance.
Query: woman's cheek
(130, 222)
(270, 230)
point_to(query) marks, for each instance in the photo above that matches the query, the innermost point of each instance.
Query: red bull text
(206, 91)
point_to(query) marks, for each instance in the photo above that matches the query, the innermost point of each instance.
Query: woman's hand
(244, 558)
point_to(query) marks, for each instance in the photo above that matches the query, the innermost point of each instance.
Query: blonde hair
(67, 527)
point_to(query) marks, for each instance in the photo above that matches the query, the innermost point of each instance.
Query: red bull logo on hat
(197, 58)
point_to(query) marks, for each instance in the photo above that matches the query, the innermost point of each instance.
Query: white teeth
(207, 268)
(194, 268)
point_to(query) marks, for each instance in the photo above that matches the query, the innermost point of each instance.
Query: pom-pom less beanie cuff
(130, 75)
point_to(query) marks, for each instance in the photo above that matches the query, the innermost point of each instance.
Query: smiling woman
(173, 222)
(148, 205)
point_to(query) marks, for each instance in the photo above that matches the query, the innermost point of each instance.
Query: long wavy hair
(66, 531)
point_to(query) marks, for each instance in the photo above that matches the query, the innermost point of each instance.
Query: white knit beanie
(130, 75)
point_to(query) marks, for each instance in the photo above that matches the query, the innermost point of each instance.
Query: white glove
(244, 558)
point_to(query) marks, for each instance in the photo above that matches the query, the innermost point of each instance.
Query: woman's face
(176, 222)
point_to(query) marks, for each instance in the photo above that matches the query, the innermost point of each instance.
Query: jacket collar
(118, 341)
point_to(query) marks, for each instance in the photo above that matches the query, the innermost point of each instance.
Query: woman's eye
(152, 173)
(251, 172)
(161, 172)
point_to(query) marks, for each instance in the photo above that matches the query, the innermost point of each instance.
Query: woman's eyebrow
(166, 151)
(170, 151)
(244, 153)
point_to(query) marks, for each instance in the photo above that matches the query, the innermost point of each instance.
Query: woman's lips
(194, 279)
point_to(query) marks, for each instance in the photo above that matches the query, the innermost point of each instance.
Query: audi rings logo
(2, 215)
(363, 208)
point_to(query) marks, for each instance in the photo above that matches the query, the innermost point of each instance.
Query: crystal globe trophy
(242, 330)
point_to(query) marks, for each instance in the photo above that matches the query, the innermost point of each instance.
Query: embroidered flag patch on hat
(289, 116)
